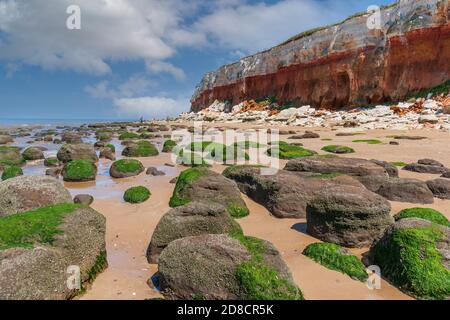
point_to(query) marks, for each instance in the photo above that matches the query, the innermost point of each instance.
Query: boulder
(430, 162)
(306, 135)
(446, 174)
(79, 171)
(285, 194)
(53, 172)
(406, 190)
(425, 168)
(51, 162)
(83, 199)
(201, 184)
(107, 153)
(5, 139)
(389, 167)
(10, 156)
(81, 151)
(71, 137)
(31, 192)
(126, 168)
(348, 216)
(154, 172)
(440, 188)
(193, 219)
(349, 166)
(33, 154)
(413, 254)
(212, 267)
(41, 271)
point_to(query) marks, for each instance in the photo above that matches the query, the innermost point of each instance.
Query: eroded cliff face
(344, 65)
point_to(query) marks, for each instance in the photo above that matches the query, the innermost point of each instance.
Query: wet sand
(130, 227)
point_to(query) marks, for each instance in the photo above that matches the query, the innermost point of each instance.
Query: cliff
(344, 65)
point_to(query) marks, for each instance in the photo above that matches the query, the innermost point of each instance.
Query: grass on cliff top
(423, 213)
(330, 255)
(258, 280)
(137, 195)
(11, 172)
(411, 261)
(186, 177)
(368, 141)
(23, 230)
(128, 165)
(79, 170)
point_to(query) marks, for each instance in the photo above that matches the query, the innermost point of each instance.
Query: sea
(24, 122)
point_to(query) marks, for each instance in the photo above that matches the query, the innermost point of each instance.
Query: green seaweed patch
(186, 177)
(24, 230)
(79, 170)
(169, 145)
(411, 261)
(248, 144)
(326, 139)
(128, 165)
(237, 211)
(227, 154)
(11, 172)
(128, 135)
(111, 146)
(283, 150)
(205, 146)
(423, 213)
(258, 280)
(334, 257)
(140, 149)
(338, 149)
(368, 141)
(399, 164)
(137, 195)
(330, 175)
(190, 159)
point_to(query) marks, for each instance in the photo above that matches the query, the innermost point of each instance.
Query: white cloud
(151, 107)
(137, 84)
(165, 67)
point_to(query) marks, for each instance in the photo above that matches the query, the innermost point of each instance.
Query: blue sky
(136, 57)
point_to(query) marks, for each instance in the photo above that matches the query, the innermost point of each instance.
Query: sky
(133, 58)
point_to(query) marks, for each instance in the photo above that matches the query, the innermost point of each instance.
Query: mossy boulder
(128, 135)
(335, 257)
(193, 219)
(11, 172)
(71, 137)
(140, 149)
(169, 145)
(283, 150)
(202, 184)
(33, 154)
(10, 156)
(5, 139)
(26, 193)
(423, 213)
(104, 135)
(51, 162)
(338, 149)
(413, 255)
(81, 151)
(229, 155)
(190, 159)
(136, 195)
(215, 266)
(37, 247)
(126, 168)
(79, 171)
(348, 216)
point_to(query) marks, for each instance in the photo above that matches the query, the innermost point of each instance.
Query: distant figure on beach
(142, 119)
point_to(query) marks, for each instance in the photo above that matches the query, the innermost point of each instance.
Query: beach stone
(115, 172)
(26, 193)
(107, 153)
(398, 256)
(71, 137)
(440, 188)
(40, 273)
(51, 162)
(428, 118)
(5, 139)
(406, 190)
(53, 172)
(446, 174)
(205, 266)
(348, 216)
(285, 194)
(155, 172)
(430, 162)
(211, 187)
(80, 151)
(389, 167)
(193, 219)
(394, 143)
(410, 138)
(424, 168)
(349, 166)
(84, 199)
(33, 154)
(10, 156)
(306, 135)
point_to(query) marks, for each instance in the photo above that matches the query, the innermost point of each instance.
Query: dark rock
(389, 167)
(430, 162)
(406, 190)
(107, 153)
(394, 143)
(71, 137)
(84, 199)
(409, 138)
(306, 135)
(193, 219)
(440, 188)
(33, 154)
(53, 172)
(348, 216)
(423, 168)
(155, 172)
